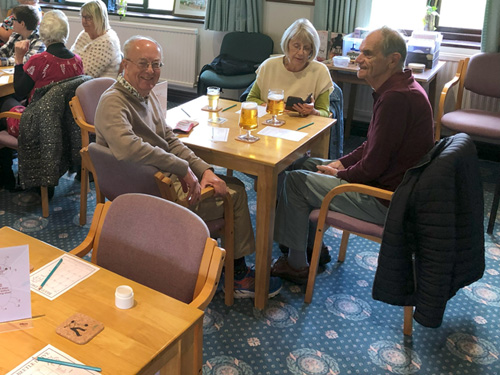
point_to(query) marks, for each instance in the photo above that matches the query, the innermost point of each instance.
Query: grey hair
(393, 41)
(303, 30)
(97, 10)
(54, 28)
(128, 44)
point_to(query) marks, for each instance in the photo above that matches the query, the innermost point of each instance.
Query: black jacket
(433, 242)
(49, 139)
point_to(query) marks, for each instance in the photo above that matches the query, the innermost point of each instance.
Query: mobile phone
(291, 100)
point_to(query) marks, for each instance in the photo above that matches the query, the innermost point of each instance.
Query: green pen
(305, 126)
(225, 109)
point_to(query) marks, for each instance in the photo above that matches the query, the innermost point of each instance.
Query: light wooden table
(7, 88)
(348, 74)
(159, 332)
(265, 159)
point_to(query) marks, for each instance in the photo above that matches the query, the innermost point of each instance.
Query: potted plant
(121, 8)
(430, 15)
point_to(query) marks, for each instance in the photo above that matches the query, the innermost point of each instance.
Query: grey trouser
(213, 208)
(303, 191)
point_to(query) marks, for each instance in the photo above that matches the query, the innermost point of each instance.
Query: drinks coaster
(208, 109)
(80, 328)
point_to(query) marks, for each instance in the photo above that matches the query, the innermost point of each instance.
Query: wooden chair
(480, 75)
(83, 106)
(113, 178)
(7, 140)
(180, 260)
(325, 218)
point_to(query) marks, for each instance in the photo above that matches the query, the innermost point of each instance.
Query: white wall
(277, 17)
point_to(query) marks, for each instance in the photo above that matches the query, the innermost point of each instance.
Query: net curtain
(490, 38)
(341, 16)
(234, 15)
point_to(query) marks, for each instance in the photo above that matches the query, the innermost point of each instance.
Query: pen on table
(225, 109)
(50, 274)
(183, 110)
(305, 126)
(69, 364)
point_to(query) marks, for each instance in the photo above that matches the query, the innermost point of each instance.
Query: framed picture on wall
(190, 8)
(304, 2)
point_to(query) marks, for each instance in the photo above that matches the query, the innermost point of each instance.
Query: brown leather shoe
(282, 269)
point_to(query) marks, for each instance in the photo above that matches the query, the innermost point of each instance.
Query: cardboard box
(323, 46)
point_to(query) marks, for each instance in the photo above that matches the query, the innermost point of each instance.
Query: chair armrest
(88, 243)
(444, 94)
(8, 114)
(346, 188)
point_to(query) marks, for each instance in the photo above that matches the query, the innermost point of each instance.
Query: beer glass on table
(213, 94)
(248, 121)
(275, 106)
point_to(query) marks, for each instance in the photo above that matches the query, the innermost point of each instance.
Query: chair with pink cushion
(83, 106)
(113, 178)
(180, 260)
(480, 75)
(325, 218)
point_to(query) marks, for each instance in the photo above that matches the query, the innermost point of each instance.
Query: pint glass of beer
(248, 121)
(213, 94)
(275, 106)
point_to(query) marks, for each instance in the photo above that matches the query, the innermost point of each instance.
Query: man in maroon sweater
(399, 135)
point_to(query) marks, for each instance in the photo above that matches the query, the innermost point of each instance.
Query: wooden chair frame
(86, 129)
(167, 192)
(44, 192)
(459, 79)
(210, 265)
(318, 240)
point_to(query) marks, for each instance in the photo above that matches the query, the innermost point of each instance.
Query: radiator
(364, 100)
(180, 46)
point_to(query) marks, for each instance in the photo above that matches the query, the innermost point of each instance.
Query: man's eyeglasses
(144, 65)
(14, 19)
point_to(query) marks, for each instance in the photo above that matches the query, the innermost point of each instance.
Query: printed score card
(33, 367)
(71, 271)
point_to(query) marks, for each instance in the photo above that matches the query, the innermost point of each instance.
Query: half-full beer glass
(275, 106)
(213, 94)
(248, 121)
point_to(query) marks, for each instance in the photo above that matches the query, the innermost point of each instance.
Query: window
(459, 21)
(147, 6)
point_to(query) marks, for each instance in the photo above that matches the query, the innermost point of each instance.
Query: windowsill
(461, 44)
(151, 16)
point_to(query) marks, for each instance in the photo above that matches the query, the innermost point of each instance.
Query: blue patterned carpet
(343, 331)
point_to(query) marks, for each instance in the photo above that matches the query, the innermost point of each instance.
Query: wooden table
(7, 88)
(265, 159)
(159, 332)
(348, 75)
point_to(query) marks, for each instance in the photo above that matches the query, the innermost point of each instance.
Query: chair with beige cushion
(180, 260)
(114, 177)
(480, 75)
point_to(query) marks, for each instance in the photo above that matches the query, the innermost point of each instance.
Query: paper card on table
(219, 134)
(290, 135)
(33, 367)
(15, 295)
(261, 110)
(4, 79)
(71, 271)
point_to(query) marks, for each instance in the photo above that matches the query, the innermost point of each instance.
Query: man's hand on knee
(209, 178)
(191, 186)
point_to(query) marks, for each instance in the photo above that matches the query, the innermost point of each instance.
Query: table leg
(432, 92)
(266, 203)
(350, 110)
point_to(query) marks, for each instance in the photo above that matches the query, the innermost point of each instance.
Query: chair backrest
(254, 47)
(483, 74)
(116, 177)
(89, 93)
(131, 244)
